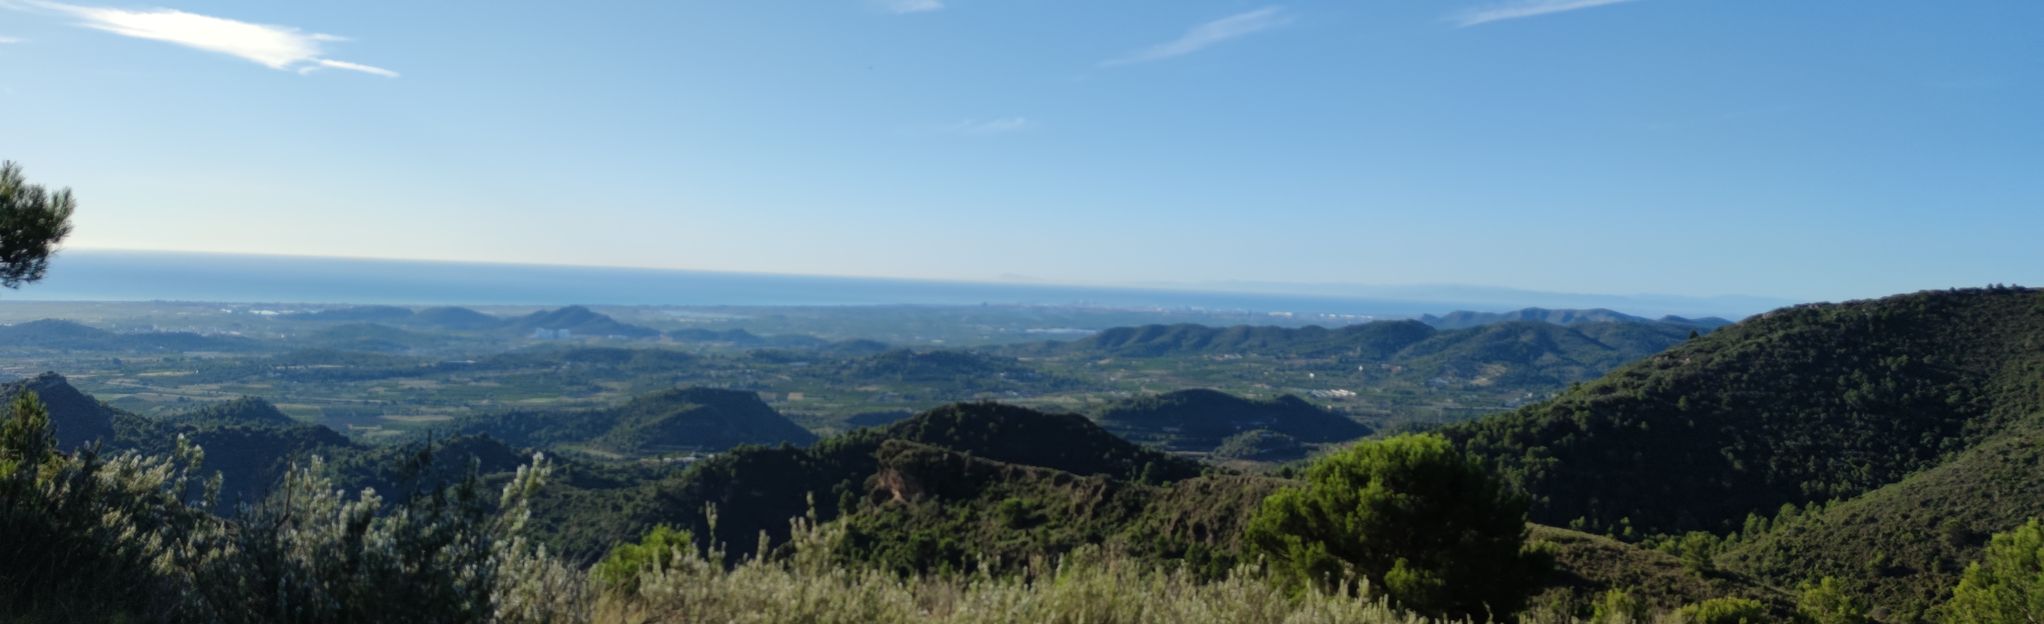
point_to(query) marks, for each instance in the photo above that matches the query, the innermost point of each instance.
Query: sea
(108, 275)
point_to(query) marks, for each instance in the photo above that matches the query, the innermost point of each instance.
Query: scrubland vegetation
(1872, 461)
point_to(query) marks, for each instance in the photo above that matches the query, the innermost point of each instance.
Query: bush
(1409, 514)
(1827, 602)
(1618, 606)
(1696, 549)
(2007, 585)
(86, 539)
(620, 570)
(91, 539)
(1723, 611)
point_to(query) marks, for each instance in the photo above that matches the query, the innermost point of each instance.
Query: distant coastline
(108, 275)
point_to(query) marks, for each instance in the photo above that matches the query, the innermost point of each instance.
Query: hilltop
(78, 418)
(243, 410)
(1535, 355)
(579, 321)
(71, 336)
(1200, 420)
(455, 318)
(1465, 319)
(1902, 430)
(678, 420)
(758, 489)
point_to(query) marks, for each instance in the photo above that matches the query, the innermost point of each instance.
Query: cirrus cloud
(1523, 9)
(272, 46)
(1207, 35)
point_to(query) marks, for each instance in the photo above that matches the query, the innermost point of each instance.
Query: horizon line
(1235, 286)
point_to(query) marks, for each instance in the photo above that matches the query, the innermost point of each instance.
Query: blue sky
(1815, 149)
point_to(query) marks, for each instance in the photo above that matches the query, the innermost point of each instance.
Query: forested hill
(757, 489)
(60, 335)
(1201, 419)
(1379, 340)
(78, 418)
(1466, 319)
(1801, 404)
(675, 420)
(1529, 354)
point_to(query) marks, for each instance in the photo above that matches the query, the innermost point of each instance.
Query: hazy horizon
(1596, 147)
(146, 275)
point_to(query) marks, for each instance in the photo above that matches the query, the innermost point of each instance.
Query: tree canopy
(1411, 515)
(33, 220)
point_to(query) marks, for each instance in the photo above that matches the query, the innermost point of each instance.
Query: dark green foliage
(930, 509)
(1903, 546)
(1697, 550)
(1524, 353)
(1618, 606)
(249, 452)
(87, 539)
(28, 437)
(2007, 585)
(619, 571)
(951, 371)
(878, 419)
(1411, 515)
(1801, 404)
(1729, 610)
(1591, 566)
(79, 419)
(1368, 341)
(1261, 445)
(32, 221)
(1202, 419)
(1019, 435)
(679, 420)
(752, 489)
(758, 490)
(244, 410)
(76, 532)
(1828, 602)
(1465, 319)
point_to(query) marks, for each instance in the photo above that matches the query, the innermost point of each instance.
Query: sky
(1817, 149)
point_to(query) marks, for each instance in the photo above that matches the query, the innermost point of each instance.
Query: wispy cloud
(1524, 8)
(275, 47)
(912, 6)
(988, 127)
(1207, 35)
(4, 40)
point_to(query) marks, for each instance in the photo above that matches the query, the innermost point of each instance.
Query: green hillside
(929, 508)
(1905, 544)
(1534, 354)
(1199, 420)
(63, 335)
(678, 420)
(1903, 431)
(243, 410)
(249, 455)
(757, 489)
(1801, 404)
(79, 419)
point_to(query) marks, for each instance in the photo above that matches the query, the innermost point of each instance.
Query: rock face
(79, 419)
